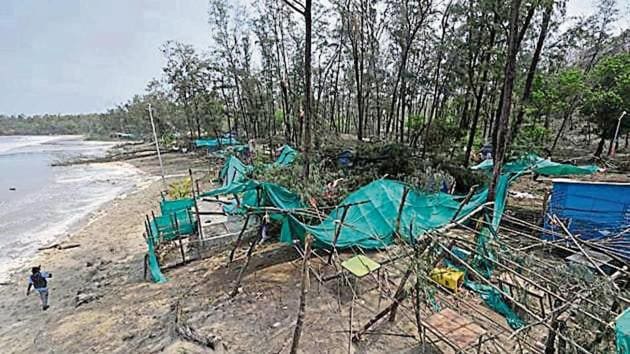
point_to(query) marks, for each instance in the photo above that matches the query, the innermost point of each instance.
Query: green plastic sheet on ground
(213, 143)
(622, 333)
(491, 297)
(534, 163)
(234, 170)
(494, 300)
(372, 216)
(287, 156)
(154, 266)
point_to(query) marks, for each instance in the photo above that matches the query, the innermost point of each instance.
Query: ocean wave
(16, 142)
(38, 215)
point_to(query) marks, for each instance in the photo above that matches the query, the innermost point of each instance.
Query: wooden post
(198, 189)
(242, 271)
(179, 237)
(400, 209)
(464, 202)
(417, 291)
(337, 232)
(146, 265)
(238, 240)
(199, 226)
(147, 227)
(544, 206)
(350, 326)
(304, 290)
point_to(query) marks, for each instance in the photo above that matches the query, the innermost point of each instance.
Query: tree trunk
(508, 85)
(532, 71)
(297, 333)
(307, 88)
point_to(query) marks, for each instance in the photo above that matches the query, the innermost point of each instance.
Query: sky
(82, 56)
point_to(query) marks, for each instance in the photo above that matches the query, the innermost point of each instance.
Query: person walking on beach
(38, 281)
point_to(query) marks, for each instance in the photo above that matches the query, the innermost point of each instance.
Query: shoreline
(74, 227)
(116, 180)
(94, 283)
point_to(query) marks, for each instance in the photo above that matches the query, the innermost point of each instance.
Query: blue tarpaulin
(592, 210)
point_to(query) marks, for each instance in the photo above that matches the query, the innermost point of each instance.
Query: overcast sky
(75, 56)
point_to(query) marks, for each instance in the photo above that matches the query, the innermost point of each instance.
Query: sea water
(39, 203)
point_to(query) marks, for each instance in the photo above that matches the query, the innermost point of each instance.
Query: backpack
(39, 281)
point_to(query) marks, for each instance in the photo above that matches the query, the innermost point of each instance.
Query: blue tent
(592, 210)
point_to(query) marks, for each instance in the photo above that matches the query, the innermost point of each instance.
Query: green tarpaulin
(536, 164)
(372, 216)
(287, 156)
(234, 170)
(622, 333)
(213, 143)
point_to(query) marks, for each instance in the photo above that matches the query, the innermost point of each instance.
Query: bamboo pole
(464, 202)
(197, 217)
(400, 209)
(238, 239)
(337, 232)
(242, 271)
(304, 290)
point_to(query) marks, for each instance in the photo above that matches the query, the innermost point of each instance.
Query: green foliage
(554, 94)
(531, 138)
(278, 116)
(180, 189)
(443, 134)
(415, 122)
(609, 93)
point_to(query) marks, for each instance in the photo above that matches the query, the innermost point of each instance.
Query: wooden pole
(337, 232)
(199, 226)
(304, 290)
(242, 271)
(400, 209)
(157, 148)
(350, 326)
(417, 292)
(464, 202)
(238, 240)
(179, 237)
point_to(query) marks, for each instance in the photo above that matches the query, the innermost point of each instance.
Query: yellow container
(449, 278)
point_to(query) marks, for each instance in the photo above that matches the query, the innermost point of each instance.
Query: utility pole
(614, 141)
(157, 148)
